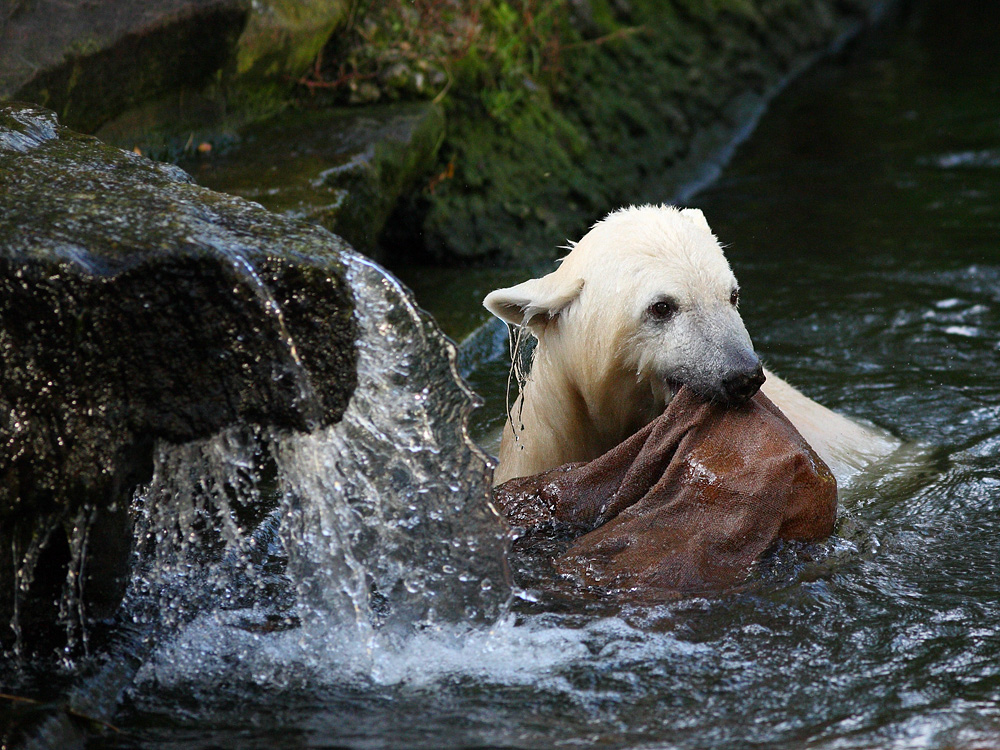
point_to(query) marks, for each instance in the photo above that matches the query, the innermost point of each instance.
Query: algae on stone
(282, 37)
(559, 112)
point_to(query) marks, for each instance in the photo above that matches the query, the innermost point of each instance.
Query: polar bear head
(646, 293)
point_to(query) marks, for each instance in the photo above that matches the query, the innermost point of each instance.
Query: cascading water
(412, 524)
(352, 537)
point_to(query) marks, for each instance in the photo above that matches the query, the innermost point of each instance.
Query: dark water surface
(863, 221)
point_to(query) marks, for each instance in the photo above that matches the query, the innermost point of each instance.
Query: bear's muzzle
(740, 386)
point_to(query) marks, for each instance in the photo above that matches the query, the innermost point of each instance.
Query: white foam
(986, 158)
(217, 648)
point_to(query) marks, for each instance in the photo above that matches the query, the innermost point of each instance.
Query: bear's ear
(695, 215)
(534, 302)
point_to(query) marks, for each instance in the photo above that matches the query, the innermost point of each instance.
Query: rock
(137, 307)
(91, 61)
(341, 168)
(282, 37)
(645, 107)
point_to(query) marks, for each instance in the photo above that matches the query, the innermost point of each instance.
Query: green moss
(251, 101)
(282, 37)
(84, 47)
(554, 123)
(518, 162)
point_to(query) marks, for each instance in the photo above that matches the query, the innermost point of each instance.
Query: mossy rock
(282, 37)
(95, 62)
(649, 99)
(341, 168)
(137, 307)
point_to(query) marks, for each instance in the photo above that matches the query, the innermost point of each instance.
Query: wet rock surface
(640, 102)
(343, 168)
(136, 306)
(90, 61)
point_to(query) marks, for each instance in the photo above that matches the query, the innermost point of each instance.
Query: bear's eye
(662, 309)
(734, 298)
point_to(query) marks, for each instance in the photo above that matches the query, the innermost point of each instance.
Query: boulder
(92, 60)
(645, 102)
(137, 307)
(341, 168)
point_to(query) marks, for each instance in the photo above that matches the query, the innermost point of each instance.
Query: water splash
(374, 528)
(307, 400)
(413, 522)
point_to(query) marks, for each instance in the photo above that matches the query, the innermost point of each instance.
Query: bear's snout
(742, 385)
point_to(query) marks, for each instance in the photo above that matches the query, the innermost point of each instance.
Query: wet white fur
(601, 367)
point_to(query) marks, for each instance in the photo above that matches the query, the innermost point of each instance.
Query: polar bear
(644, 303)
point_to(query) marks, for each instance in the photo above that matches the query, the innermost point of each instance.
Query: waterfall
(379, 526)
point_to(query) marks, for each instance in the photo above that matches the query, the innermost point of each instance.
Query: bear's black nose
(741, 386)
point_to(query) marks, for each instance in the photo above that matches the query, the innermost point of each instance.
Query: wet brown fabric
(686, 505)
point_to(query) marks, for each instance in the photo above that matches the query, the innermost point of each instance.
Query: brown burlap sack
(687, 505)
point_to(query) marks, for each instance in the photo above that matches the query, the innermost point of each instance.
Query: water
(370, 529)
(863, 220)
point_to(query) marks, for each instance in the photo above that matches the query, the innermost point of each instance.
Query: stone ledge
(136, 306)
